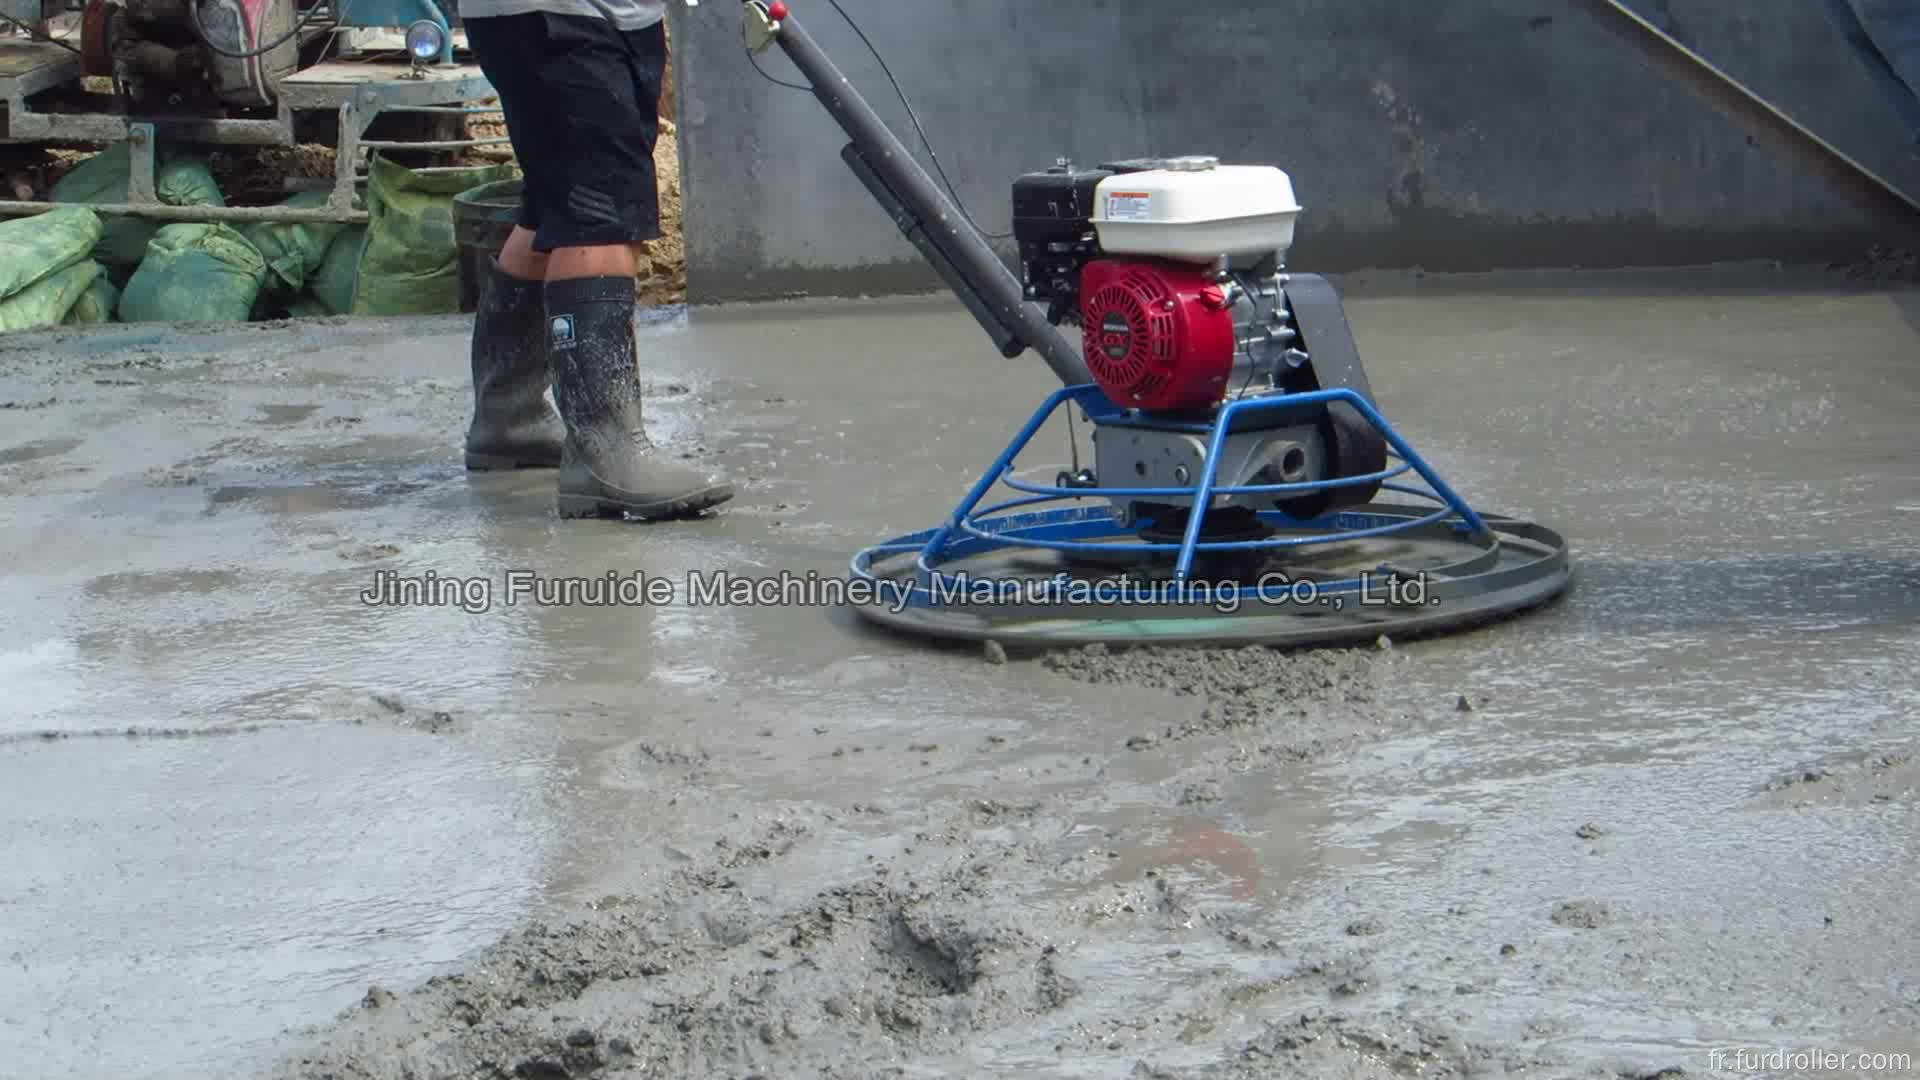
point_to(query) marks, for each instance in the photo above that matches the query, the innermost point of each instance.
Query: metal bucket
(483, 217)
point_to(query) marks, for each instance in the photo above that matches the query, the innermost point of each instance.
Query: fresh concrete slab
(256, 825)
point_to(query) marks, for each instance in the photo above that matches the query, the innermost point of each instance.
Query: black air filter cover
(1053, 226)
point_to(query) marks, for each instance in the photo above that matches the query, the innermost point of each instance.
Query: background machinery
(235, 73)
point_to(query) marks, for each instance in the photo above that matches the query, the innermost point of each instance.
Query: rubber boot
(514, 426)
(610, 468)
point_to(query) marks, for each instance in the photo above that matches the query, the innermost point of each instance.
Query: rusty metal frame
(356, 106)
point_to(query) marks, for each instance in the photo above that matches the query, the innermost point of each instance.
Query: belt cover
(1356, 446)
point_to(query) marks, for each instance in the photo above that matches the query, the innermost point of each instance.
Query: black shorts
(582, 109)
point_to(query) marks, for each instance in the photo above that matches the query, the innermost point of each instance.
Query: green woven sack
(411, 263)
(332, 285)
(33, 248)
(294, 250)
(104, 178)
(195, 273)
(47, 301)
(97, 304)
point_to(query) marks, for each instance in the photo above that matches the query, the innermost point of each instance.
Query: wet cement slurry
(254, 825)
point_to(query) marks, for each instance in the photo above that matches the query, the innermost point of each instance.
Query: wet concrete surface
(254, 825)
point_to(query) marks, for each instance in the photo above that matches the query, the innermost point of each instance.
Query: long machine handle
(924, 213)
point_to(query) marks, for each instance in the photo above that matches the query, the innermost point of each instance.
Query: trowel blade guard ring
(1529, 570)
(1003, 572)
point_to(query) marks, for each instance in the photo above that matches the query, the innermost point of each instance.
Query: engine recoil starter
(1157, 336)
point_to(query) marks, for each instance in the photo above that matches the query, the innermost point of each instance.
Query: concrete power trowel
(1244, 486)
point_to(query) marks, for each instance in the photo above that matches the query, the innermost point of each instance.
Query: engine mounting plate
(1025, 571)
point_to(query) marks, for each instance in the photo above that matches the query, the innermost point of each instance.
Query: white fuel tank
(1195, 209)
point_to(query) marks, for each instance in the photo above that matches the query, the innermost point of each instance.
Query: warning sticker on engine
(1129, 206)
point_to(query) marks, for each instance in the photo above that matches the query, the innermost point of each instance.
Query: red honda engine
(1158, 336)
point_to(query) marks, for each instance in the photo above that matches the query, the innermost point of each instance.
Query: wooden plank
(341, 73)
(18, 58)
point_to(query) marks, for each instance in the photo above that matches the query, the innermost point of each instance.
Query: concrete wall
(1451, 135)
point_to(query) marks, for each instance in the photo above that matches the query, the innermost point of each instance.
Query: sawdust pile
(664, 279)
(257, 176)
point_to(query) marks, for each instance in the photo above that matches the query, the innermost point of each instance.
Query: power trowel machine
(1244, 486)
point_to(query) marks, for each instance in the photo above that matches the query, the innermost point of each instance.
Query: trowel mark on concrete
(279, 415)
(34, 451)
(1325, 1043)
(53, 735)
(325, 706)
(140, 586)
(1303, 704)
(1877, 779)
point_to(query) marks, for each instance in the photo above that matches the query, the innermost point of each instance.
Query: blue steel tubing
(1059, 494)
(1203, 491)
(967, 526)
(1412, 457)
(1244, 489)
(999, 469)
(934, 583)
(965, 515)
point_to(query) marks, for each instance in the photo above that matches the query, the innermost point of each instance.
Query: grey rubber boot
(610, 468)
(514, 426)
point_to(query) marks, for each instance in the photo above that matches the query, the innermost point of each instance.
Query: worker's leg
(590, 225)
(514, 425)
(518, 257)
